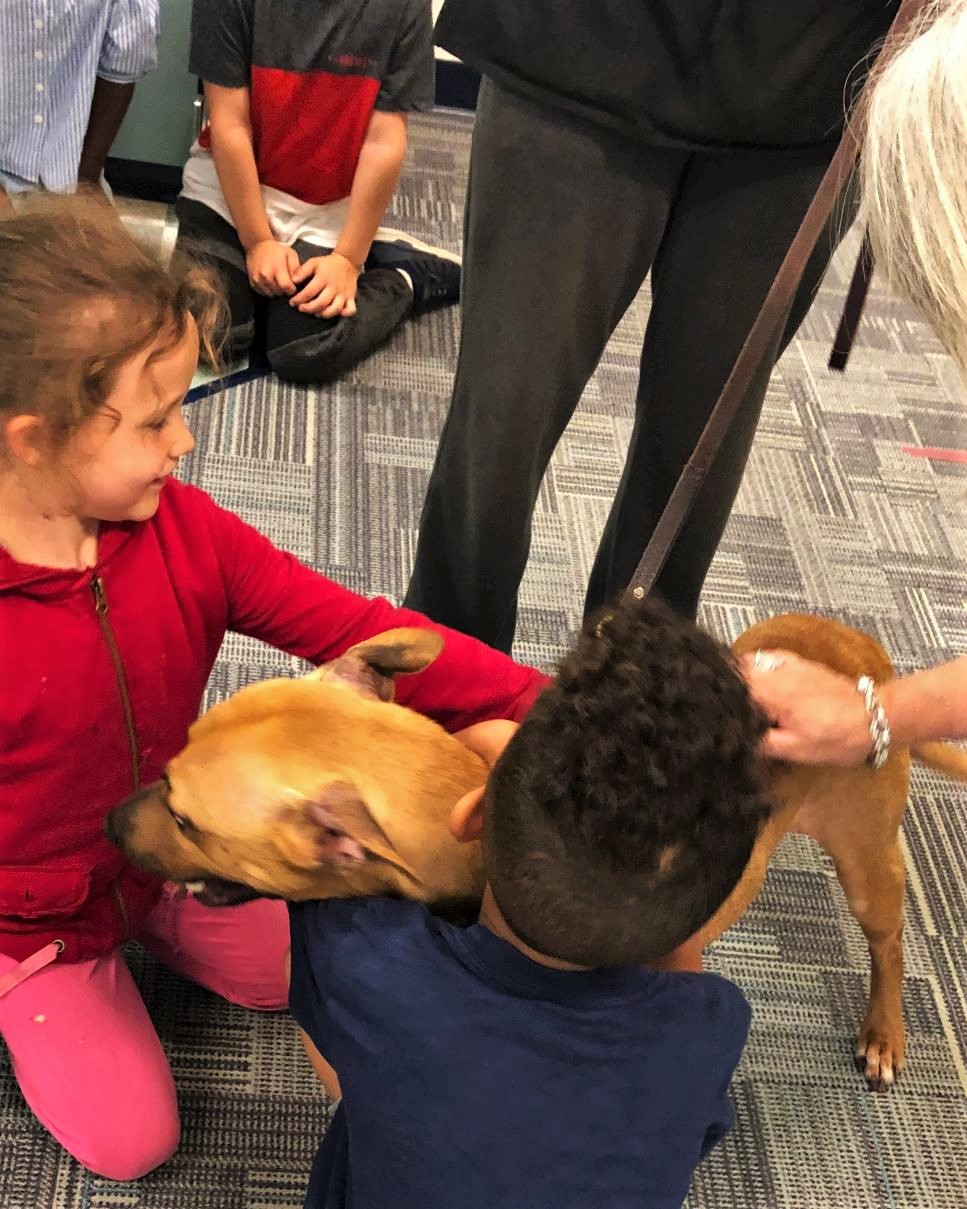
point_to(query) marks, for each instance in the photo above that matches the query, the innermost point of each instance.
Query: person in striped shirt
(67, 75)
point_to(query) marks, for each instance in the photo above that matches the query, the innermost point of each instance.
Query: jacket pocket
(30, 893)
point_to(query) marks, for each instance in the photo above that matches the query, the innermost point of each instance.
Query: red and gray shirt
(315, 73)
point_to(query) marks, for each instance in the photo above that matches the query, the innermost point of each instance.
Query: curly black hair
(623, 812)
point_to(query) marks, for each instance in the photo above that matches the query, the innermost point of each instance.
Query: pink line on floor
(936, 455)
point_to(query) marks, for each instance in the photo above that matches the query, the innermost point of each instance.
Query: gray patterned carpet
(836, 516)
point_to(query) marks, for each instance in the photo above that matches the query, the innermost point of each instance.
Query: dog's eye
(180, 821)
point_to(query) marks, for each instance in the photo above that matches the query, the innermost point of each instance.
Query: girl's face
(117, 462)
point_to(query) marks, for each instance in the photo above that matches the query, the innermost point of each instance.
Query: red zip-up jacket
(102, 672)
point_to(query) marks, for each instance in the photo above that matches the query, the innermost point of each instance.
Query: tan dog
(318, 787)
(321, 787)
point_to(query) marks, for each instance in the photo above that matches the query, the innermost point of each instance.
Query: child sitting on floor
(285, 191)
(532, 1061)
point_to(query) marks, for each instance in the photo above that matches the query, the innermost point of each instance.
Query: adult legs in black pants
(548, 272)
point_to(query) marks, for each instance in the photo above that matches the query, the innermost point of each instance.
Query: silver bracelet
(879, 723)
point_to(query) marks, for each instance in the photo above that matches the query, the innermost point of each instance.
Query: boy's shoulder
(347, 910)
(367, 923)
(358, 947)
(370, 922)
(383, 935)
(717, 1000)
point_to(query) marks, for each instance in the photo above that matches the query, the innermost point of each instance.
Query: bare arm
(128, 51)
(820, 718)
(928, 705)
(270, 264)
(329, 282)
(234, 154)
(109, 104)
(323, 1071)
(377, 175)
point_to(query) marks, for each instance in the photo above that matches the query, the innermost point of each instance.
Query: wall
(159, 126)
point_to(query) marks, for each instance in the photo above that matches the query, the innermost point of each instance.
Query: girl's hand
(328, 286)
(271, 266)
(817, 715)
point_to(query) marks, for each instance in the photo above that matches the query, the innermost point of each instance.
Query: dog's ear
(337, 828)
(370, 667)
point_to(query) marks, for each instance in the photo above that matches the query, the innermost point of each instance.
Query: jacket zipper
(122, 910)
(100, 608)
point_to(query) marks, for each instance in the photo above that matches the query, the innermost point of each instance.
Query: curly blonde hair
(78, 298)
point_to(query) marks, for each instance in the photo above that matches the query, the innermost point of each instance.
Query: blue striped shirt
(51, 53)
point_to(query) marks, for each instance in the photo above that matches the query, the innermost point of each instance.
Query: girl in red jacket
(117, 586)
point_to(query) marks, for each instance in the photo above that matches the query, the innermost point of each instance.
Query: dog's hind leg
(874, 880)
(855, 815)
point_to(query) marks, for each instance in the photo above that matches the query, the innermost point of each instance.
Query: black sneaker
(435, 274)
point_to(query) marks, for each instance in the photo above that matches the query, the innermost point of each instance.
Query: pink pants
(85, 1052)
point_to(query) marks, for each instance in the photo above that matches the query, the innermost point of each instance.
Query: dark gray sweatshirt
(699, 73)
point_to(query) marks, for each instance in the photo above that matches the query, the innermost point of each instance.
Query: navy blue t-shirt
(474, 1078)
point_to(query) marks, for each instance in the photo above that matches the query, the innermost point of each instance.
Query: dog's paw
(879, 1059)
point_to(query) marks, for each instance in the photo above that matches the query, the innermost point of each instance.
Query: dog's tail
(943, 757)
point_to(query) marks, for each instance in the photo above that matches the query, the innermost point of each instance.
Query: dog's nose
(114, 825)
(118, 818)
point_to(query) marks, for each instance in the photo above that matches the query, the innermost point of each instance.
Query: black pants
(549, 269)
(300, 348)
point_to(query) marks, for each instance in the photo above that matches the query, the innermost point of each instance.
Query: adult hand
(328, 286)
(818, 716)
(270, 267)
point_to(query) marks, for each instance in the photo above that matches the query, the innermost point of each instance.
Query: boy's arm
(377, 175)
(329, 282)
(270, 264)
(109, 104)
(323, 1071)
(128, 52)
(305, 1003)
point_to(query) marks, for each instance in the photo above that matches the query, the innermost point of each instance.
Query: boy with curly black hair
(532, 1061)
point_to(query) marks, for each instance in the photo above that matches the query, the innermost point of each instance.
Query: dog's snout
(118, 820)
(113, 826)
